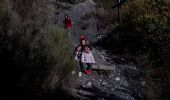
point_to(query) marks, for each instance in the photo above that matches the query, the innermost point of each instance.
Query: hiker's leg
(78, 67)
(83, 66)
(89, 66)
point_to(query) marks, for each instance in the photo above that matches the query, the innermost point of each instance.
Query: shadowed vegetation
(35, 55)
(143, 36)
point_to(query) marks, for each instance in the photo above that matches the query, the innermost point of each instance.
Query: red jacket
(68, 23)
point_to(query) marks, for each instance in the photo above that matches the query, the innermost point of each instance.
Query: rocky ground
(123, 83)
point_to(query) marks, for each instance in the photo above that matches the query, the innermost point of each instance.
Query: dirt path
(123, 83)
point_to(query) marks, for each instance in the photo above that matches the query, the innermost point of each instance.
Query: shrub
(35, 55)
(144, 34)
(150, 22)
(145, 31)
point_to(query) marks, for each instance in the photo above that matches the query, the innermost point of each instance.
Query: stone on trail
(89, 84)
(117, 79)
(104, 83)
(143, 83)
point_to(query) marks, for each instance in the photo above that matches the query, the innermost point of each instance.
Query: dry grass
(34, 54)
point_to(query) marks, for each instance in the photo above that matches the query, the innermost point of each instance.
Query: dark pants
(81, 66)
(87, 66)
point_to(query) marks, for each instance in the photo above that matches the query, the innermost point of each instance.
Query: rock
(101, 98)
(110, 76)
(104, 83)
(122, 59)
(117, 79)
(143, 83)
(89, 84)
(73, 72)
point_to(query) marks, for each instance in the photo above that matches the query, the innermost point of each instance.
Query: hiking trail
(122, 83)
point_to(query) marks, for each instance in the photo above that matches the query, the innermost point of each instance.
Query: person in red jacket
(67, 22)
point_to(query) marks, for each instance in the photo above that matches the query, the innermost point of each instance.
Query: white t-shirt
(87, 57)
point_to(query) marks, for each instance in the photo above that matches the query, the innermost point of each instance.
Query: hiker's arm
(75, 51)
(76, 57)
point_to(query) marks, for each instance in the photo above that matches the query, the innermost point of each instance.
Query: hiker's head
(66, 16)
(83, 42)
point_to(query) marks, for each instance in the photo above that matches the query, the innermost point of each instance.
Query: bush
(35, 55)
(150, 23)
(144, 34)
(144, 28)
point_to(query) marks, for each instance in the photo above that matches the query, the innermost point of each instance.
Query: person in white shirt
(87, 59)
(78, 52)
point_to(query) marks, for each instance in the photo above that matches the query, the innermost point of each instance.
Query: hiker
(78, 52)
(67, 22)
(87, 59)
